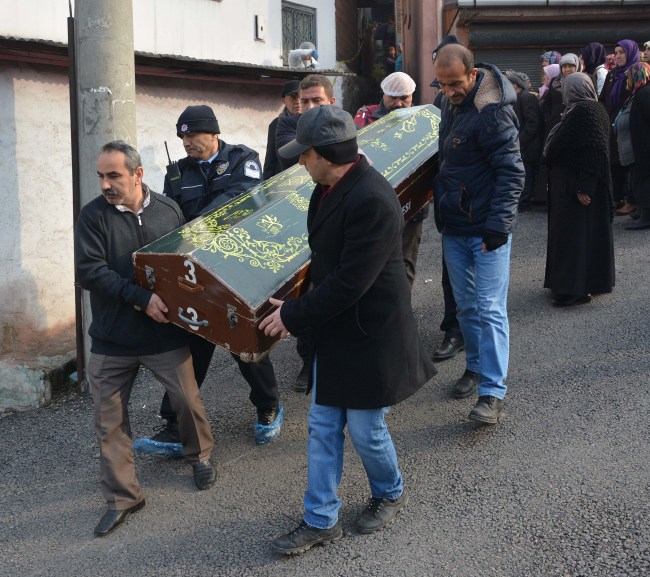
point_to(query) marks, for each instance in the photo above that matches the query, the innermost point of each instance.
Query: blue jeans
(480, 282)
(372, 442)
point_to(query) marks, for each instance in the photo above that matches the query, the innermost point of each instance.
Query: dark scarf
(631, 49)
(593, 55)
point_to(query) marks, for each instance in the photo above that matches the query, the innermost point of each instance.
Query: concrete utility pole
(105, 90)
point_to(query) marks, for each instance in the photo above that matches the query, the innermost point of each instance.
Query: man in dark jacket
(213, 173)
(367, 353)
(130, 329)
(529, 116)
(291, 103)
(476, 193)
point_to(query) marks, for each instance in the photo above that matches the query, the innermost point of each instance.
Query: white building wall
(36, 280)
(201, 29)
(36, 241)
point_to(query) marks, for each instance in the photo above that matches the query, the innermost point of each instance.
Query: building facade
(229, 55)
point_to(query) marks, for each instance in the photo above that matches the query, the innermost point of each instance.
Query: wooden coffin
(216, 273)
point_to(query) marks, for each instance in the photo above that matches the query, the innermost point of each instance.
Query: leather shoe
(113, 518)
(204, 475)
(466, 385)
(488, 410)
(449, 348)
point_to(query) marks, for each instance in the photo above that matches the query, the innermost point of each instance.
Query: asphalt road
(560, 488)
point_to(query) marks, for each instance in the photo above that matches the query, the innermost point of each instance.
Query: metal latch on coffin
(231, 315)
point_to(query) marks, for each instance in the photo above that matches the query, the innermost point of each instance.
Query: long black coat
(365, 336)
(580, 250)
(640, 135)
(531, 127)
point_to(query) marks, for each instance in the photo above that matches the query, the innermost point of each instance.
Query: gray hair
(132, 158)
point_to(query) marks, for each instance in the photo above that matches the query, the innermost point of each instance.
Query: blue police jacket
(236, 169)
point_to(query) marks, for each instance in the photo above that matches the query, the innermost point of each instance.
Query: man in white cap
(367, 355)
(398, 89)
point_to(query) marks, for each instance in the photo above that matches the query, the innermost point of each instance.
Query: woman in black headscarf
(580, 250)
(593, 58)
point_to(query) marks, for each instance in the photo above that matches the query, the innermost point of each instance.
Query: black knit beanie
(341, 152)
(197, 119)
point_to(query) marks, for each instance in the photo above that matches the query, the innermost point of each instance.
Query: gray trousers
(111, 380)
(411, 238)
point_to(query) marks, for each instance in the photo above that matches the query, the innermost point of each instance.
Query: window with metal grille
(298, 26)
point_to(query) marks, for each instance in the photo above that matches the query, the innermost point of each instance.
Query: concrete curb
(29, 385)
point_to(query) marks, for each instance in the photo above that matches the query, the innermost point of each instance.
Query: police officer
(213, 173)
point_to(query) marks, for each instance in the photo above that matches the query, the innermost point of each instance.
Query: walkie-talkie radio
(174, 175)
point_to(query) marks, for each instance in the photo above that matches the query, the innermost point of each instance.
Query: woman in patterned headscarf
(550, 57)
(580, 249)
(613, 96)
(638, 81)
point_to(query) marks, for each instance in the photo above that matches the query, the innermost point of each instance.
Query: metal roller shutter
(519, 59)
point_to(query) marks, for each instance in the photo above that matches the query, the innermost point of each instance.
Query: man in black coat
(367, 353)
(529, 115)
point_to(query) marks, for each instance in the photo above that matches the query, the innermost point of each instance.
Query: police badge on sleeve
(252, 169)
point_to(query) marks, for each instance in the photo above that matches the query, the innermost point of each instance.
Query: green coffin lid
(257, 241)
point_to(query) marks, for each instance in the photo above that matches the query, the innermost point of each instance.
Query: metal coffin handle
(194, 323)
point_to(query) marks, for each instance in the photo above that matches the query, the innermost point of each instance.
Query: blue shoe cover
(265, 433)
(151, 447)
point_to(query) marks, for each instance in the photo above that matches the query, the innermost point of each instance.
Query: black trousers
(259, 376)
(449, 324)
(620, 182)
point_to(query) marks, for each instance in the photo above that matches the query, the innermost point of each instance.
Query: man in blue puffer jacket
(477, 189)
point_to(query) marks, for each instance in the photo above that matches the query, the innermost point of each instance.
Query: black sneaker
(302, 380)
(379, 513)
(488, 410)
(304, 537)
(167, 433)
(267, 416)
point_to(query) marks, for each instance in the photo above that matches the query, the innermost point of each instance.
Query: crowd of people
(584, 98)
(584, 133)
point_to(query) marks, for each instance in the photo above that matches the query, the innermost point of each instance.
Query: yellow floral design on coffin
(237, 243)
